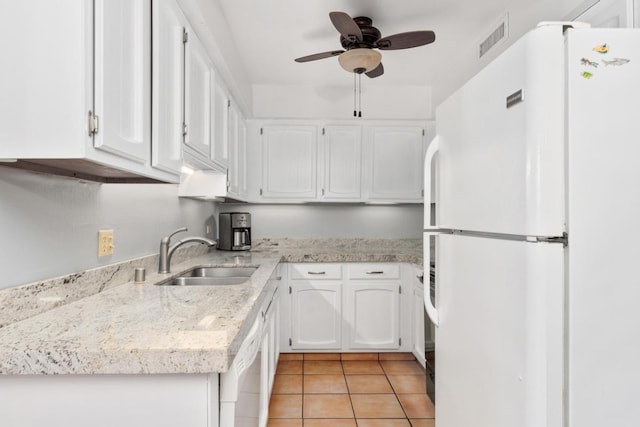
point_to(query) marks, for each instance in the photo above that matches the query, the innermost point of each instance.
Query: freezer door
(500, 165)
(499, 345)
(604, 230)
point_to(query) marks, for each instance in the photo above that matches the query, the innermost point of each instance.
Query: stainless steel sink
(211, 276)
(220, 272)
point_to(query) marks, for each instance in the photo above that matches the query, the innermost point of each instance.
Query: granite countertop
(147, 329)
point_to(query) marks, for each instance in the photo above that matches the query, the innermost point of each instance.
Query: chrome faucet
(166, 251)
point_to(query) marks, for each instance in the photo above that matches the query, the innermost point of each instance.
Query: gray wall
(49, 225)
(340, 221)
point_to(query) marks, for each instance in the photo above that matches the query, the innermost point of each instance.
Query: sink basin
(220, 272)
(211, 276)
(206, 281)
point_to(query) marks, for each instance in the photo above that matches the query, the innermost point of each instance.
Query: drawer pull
(316, 272)
(375, 272)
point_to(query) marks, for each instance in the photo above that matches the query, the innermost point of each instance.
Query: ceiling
(269, 34)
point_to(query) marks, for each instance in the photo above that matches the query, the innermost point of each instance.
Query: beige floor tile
(383, 423)
(362, 367)
(287, 384)
(417, 405)
(322, 356)
(327, 406)
(285, 406)
(423, 422)
(368, 384)
(322, 367)
(325, 384)
(376, 406)
(291, 356)
(284, 422)
(408, 383)
(344, 422)
(289, 367)
(359, 356)
(397, 356)
(401, 367)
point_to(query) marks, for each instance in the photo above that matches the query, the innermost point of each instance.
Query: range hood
(203, 185)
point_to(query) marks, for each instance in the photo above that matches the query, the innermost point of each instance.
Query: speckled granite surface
(100, 322)
(342, 250)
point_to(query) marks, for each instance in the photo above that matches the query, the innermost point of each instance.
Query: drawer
(374, 271)
(316, 271)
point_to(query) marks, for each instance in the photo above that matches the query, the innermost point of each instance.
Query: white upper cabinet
(237, 165)
(76, 98)
(289, 157)
(341, 163)
(365, 162)
(395, 155)
(224, 125)
(122, 88)
(168, 86)
(198, 95)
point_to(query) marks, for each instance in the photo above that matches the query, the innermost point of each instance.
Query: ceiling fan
(359, 38)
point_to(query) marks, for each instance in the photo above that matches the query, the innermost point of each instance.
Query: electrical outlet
(105, 242)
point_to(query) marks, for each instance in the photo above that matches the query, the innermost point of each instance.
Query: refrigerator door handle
(432, 311)
(433, 149)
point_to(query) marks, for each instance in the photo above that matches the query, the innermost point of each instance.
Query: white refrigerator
(536, 166)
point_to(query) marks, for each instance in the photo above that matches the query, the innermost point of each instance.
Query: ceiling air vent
(498, 35)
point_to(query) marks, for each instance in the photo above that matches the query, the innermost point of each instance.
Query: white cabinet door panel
(198, 90)
(372, 315)
(395, 162)
(122, 85)
(316, 315)
(289, 162)
(342, 162)
(168, 86)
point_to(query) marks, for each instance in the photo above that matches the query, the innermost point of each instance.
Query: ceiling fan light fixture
(360, 60)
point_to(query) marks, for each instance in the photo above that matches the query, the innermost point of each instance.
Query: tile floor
(350, 390)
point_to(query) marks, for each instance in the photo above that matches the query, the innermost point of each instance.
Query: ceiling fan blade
(376, 72)
(317, 56)
(346, 26)
(406, 40)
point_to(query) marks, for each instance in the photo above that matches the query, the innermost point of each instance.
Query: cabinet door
(122, 85)
(237, 168)
(198, 92)
(168, 86)
(372, 315)
(289, 162)
(395, 156)
(225, 117)
(342, 149)
(316, 315)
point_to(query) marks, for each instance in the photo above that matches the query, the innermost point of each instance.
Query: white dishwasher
(240, 385)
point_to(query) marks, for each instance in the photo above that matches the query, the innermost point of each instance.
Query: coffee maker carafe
(235, 231)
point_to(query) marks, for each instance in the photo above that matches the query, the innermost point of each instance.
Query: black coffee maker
(235, 231)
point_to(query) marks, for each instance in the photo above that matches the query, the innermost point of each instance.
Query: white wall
(336, 102)
(49, 225)
(337, 221)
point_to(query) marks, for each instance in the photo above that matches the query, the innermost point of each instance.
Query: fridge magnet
(602, 48)
(587, 61)
(616, 62)
(587, 75)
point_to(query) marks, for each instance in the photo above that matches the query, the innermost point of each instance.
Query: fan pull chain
(354, 96)
(359, 95)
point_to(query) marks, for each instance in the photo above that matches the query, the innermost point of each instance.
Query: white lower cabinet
(345, 307)
(109, 400)
(316, 315)
(372, 315)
